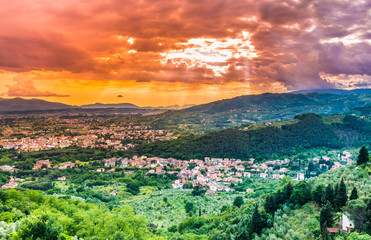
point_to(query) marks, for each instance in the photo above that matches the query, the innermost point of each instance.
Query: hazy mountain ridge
(28, 105)
(257, 108)
(335, 91)
(110, 105)
(20, 104)
(254, 108)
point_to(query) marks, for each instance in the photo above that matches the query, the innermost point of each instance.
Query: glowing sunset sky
(157, 52)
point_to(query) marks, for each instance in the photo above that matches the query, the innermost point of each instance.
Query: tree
(336, 192)
(257, 223)
(198, 191)
(329, 194)
(191, 165)
(41, 228)
(238, 201)
(358, 213)
(353, 194)
(342, 197)
(27, 164)
(311, 166)
(317, 194)
(224, 208)
(280, 197)
(288, 190)
(330, 165)
(270, 204)
(301, 194)
(326, 217)
(188, 185)
(367, 226)
(358, 236)
(189, 207)
(362, 156)
(133, 188)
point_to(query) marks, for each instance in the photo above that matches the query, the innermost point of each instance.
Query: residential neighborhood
(79, 132)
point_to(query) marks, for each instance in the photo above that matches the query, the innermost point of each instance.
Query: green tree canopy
(40, 228)
(329, 194)
(326, 217)
(353, 194)
(363, 156)
(238, 201)
(301, 193)
(318, 193)
(342, 197)
(358, 213)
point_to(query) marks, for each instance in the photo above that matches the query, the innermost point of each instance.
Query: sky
(160, 52)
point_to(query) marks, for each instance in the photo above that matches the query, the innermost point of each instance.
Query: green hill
(279, 139)
(257, 108)
(292, 211)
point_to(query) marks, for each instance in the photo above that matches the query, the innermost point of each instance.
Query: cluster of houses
(91, 136)
(7, 168)
(216, 174)
(12, 183)
(44, 164)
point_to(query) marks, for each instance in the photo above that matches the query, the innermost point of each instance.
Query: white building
(346, 223)
(300, 176)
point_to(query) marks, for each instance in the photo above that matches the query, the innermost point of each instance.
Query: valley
(85, 176)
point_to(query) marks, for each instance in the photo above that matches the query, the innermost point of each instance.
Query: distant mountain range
(172, 107)
(243, 109)
(263, 107)
(112, 105)
(28, 105)
(335, 91)
(20, 104)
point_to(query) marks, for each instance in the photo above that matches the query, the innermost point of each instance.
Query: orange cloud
(262, 45)
(22, 87)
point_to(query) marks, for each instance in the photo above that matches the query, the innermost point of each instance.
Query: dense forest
(266, 142)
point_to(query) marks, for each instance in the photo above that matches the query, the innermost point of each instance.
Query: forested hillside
(307, 131)
(302, 210)
(257, 108)
(285, 210)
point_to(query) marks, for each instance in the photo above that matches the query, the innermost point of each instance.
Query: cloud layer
(23, 87)
(294, 44)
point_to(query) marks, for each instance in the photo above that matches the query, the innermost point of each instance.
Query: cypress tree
(288, 191)
(336, 195)
(354, 194)
(256, 222)
(318, 194)
(362, 156)
(329, 195)
(311, 166)
(336, 190)
(269, 205)
(325, 235)
(368, 217)
(326, 216)
(280, 197)
(342, 197)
